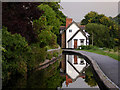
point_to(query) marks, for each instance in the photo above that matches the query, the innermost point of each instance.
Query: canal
(69, 71)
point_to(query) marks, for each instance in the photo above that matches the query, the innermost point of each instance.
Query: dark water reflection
(69, 71)
(78, 72)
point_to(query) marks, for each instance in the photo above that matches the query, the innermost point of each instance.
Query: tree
(51, 18)
(18, 17)
(14, 58)
(56, 7)
(94, 17)
(43, 31)
(98, 31)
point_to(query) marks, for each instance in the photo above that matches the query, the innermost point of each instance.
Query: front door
(75, 43)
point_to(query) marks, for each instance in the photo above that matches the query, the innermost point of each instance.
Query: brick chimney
(68, 21)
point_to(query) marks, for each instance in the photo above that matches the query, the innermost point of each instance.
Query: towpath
(109, 66)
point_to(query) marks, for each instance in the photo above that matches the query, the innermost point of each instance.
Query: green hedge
(88, 47)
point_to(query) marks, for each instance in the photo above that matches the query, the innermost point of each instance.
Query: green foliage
(51, 18)
(56, 7)
(111, 29)
(52, 54)
(46, 78)
(49, 56)
(98, 31)
(55, 54)
(94, 17)
(45, 36)
(88, 47)
(14, 59)
(107, 52)
(115, 49)
(117, 19)
(37, 55)
(89, 79)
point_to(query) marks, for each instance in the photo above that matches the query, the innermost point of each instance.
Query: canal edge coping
(106, 81)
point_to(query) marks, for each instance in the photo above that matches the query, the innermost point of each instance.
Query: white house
(73, 35)
(75, 65)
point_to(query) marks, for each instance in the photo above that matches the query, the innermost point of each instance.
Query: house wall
(78, 37)
(70, 34)
(63, 40)
(70, 70)
(70, 44)
(78, 66)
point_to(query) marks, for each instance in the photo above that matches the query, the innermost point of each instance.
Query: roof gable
(72, 23)
(76, 34)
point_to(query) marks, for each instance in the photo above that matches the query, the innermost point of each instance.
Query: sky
(77, 9)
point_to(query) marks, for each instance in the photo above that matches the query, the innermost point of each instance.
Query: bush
(49, 56)
(14, 58)
(88, 47)
(104, 48)
(55, 54)
(38, 55)
(115, 49)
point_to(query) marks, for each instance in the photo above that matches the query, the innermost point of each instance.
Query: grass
(107, 52)
(102, 52)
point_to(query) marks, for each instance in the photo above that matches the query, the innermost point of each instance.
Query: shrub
(95, 48)
(49, 56)
(14, 57)
(55, 54)
(115, 49)
(88, 47)
(104, 48)
(110, 50)
(38, 54)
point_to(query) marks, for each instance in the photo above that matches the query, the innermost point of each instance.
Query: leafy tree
(56, 7)
(51, 18)
(14, 58)
(116, 19)
(45, 36)
(18, 17)
(98, 31)
(94, 17)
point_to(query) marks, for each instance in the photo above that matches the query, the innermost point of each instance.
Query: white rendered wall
(74, 28)
(70, 70)
(70, 44)
(78, 37)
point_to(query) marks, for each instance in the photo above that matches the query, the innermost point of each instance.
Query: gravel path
(108, 65)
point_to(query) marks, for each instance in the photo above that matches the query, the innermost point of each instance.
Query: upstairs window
(70, 30)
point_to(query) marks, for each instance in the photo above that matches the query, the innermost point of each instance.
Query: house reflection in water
(74, 67)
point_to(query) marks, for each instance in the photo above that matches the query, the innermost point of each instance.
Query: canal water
(69, 71)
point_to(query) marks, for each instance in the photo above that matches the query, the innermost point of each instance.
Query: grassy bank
(103, 51)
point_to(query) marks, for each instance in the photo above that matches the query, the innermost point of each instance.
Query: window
(82, 62)
(82, 41)
(70, 30)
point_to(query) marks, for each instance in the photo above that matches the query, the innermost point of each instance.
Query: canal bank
(95, 63)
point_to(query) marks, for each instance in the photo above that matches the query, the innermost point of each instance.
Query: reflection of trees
(89, 79)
